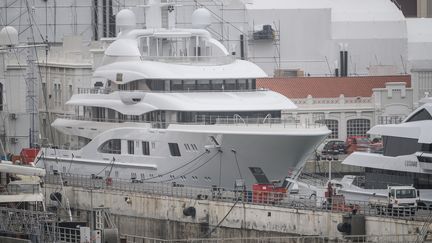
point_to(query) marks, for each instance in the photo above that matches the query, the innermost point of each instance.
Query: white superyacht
(172, 105)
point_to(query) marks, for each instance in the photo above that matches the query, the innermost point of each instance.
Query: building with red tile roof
(349, 106)
(329, 87)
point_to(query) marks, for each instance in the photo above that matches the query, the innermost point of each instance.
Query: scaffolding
(34, 225)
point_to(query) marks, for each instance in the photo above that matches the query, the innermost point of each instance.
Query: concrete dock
(158, 211)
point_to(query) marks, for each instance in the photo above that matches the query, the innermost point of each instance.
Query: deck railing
(109, 91)
(214, 193)
(195, 60)
(212, 120)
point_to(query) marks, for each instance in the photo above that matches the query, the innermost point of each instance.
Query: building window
(130, 147)
(174, 149)
(146, 148)
(112, 146)
(358, 127)
(333, 126)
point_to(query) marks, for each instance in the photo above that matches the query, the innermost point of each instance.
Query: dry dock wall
(162, 216)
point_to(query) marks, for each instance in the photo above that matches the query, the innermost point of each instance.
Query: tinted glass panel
(396, 146)
(203, 85)
(426, 147)
(131, 148)
(177, 85)
(112, 146)
(146, 148)
(217, 84)
(420, 116)
(174, 149)
(189, 85)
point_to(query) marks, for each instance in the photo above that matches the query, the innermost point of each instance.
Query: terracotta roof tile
(328, 87)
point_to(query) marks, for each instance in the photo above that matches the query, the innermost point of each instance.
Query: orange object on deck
(28, 155)
(267, 193)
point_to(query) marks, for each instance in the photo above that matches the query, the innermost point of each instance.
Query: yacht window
(242, 84)
(422, 115)
(424, 159)
(112, 146)
(130, 147)
(174, 149)
(203, 85)
(216, 84)
(146, 148)
(230, 85)
(253, 84)
(397, 146)
(426, 147)
(156, 84)
(189, 85)
(177, 85)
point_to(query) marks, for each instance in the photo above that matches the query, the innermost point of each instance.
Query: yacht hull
(207, 157)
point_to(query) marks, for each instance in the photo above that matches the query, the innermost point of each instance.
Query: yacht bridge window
(397, 146)
(229, 84)
(426, 147)
(421, 115)
(112, 146)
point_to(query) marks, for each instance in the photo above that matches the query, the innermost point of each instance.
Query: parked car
(331, 147)
(357, 143)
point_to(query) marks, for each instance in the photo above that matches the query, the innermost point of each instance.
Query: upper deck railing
(194, 60)
(219, 120)
(109, 91)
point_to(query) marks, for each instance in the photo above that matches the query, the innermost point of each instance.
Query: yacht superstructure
(407, 155)
(172, 105)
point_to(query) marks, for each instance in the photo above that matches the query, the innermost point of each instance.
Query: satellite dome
(8, 36)
(201, 18)
(125, 19)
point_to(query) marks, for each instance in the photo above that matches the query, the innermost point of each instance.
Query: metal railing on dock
(266, 198)
(287, 239)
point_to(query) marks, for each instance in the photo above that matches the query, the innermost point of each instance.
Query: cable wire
(226, 215)
(185, 174)
(166, 173)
